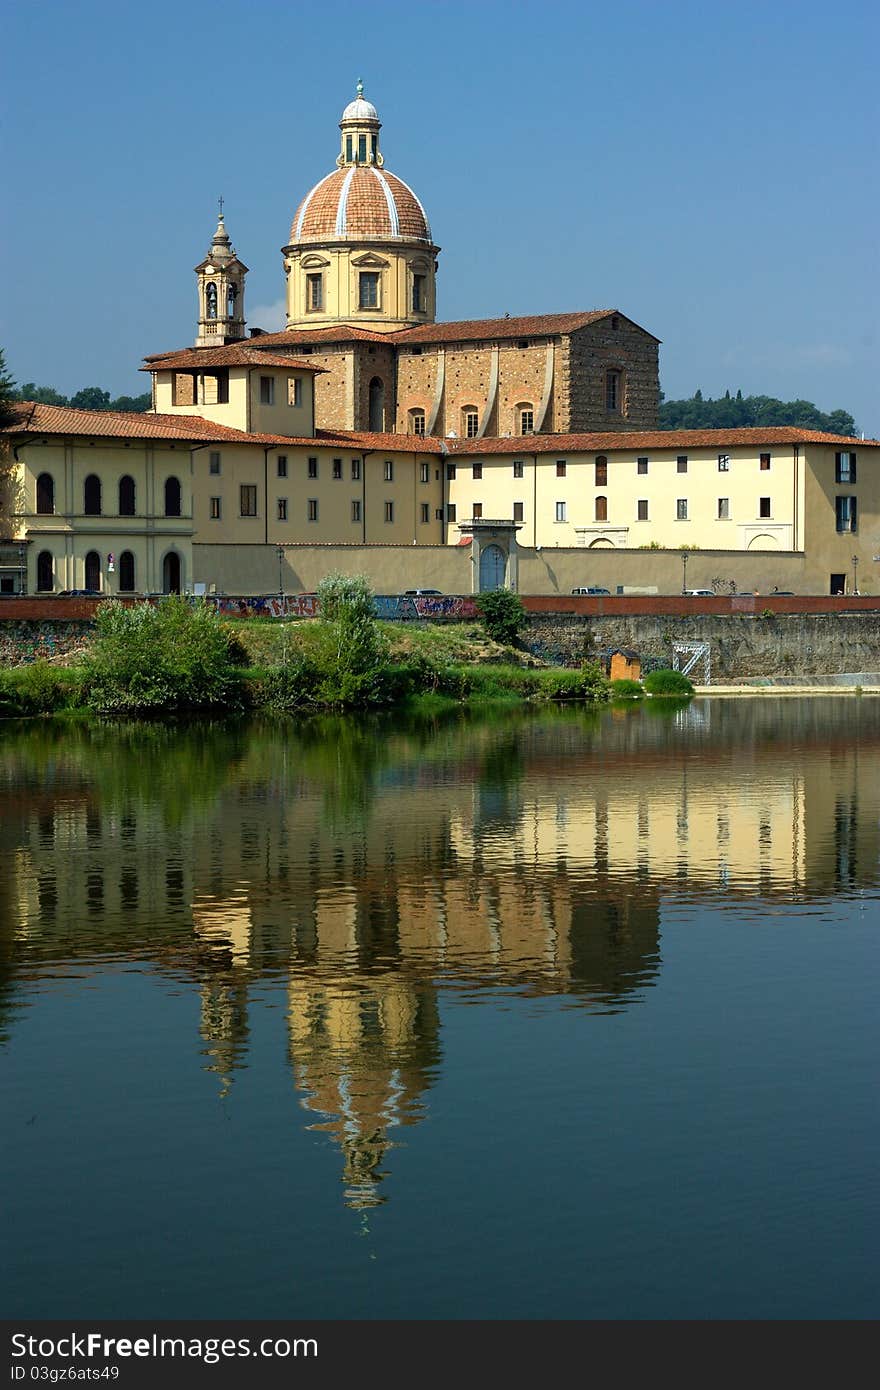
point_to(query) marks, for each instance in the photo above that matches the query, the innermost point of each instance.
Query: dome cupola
(360, 248)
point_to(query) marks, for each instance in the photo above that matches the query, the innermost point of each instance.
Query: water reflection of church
(514, 862)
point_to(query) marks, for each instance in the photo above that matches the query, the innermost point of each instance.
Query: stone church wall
(586, 356)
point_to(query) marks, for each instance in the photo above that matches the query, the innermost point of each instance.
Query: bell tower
(221, 291)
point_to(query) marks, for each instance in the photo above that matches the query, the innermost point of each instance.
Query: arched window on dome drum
(45, 571)
(45, 495)
(172, 497)
(314, 293)
(377, 405)
(126, 572)
(601, 508)
(211, 301)
(92, 496)
(126, 496)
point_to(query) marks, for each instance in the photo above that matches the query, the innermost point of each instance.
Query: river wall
(790, 645)
(766, 642)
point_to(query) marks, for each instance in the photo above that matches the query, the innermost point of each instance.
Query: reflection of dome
(360, 203)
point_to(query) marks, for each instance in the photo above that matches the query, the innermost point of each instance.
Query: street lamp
(855, 565)
(279, 550)
(684, 571)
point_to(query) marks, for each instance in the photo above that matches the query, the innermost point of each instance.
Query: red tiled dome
(360, 203)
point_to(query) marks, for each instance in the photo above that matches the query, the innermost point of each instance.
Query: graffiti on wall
(271, 606)
(389, 607)
(24, 642)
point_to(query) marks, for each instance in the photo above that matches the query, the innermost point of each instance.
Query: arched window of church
(45, 495)
(417, 422)
(470, 421)
(614, 391)
(231, 295)
(526, 417)
(172, 497)
(45, 571)
(377, 405)
(126, 572)
(92, 495)
(126, 496)
(211, 300)
(601, 471)
(601, 508)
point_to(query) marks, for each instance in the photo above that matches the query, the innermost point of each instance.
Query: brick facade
(560, 378)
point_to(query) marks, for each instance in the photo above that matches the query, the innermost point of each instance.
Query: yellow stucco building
(366, 423)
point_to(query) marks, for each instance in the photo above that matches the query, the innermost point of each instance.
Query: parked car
(591, 589)
(700, 593)
(416, 593)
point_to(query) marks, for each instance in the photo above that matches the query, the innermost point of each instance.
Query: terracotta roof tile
(357, 203)
(534, 325)
(636, 440)
(232, 355)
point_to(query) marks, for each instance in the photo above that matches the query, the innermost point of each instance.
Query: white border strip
(297, 231)
(389, 199)
(343, 201)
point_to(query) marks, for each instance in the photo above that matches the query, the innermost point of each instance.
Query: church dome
(360, 203)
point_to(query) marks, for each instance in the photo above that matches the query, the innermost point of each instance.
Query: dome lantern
(360, 249)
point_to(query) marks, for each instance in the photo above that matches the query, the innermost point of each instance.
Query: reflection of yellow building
(370, 871)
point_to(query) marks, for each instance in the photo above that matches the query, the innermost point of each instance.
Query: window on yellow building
(355, 509)
(355, 470)
(561, 468)
(518, 468)
(248, 499)
(312, 509)
(477, 511)
(723, 508)
(282, 465)
(764, 507)
(560, 511)
(601, 508)
(478, 470)
(388, 471)
(517, 511)
(424, 472)
(313, 468)
(764, 463)
(425, 512)
(215, 508)
(267, 390)
(282, 508)
(337, 469)
(681, 509)
(642, 509)
(389, 511)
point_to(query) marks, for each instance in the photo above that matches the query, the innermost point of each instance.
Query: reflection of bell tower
(221, 291)
(361, 1047)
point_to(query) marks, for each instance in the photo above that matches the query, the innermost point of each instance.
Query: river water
(567, 1014)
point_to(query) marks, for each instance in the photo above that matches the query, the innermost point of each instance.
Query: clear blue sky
(710, 170)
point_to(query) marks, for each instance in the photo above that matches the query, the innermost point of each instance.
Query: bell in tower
(221, 291)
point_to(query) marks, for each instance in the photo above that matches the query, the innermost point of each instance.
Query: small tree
(8, 393)
(503, 615)
(357, 652)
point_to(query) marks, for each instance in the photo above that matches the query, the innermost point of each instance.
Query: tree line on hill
(745, 412)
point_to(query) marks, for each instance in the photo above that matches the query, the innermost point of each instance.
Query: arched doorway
(93, 570)
(126, 572)
(171, 573)
(493, 564)
(377, 405)
(45, 571)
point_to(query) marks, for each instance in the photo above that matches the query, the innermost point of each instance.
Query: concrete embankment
(783, 646)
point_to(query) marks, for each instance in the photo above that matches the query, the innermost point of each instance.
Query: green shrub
(503, 615)
(350, 649)
(627, 689)
(169, 657)
(667, 682)
(39, 688)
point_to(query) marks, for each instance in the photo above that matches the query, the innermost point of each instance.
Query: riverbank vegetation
(179, 657)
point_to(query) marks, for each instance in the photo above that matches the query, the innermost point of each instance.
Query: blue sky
(710, 170)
